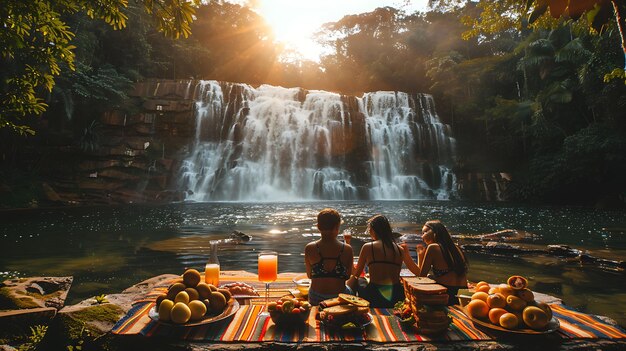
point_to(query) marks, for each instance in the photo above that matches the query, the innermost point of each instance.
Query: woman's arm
(347, 258)
(307, 263)
(408, 261)
(421, 251)
(360, 266)
(352, 282)
(427, 262)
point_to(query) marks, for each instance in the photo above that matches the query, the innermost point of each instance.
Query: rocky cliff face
(129, 157)
(385, 145)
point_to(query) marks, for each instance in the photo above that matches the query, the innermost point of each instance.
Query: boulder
(37, 292)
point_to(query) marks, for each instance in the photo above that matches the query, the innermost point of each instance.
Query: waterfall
(286, 144)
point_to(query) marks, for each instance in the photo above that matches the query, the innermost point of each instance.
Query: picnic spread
(241, 319)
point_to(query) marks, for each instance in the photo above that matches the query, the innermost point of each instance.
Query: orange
(480, 296)
(495, 314)
(481, 283)
(484, 288)
(496, 300)
(477, 309)
(509, 321)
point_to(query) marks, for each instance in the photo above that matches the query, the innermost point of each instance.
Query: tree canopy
(36, 44)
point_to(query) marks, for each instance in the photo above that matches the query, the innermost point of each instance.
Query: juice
(268, 268)
(347, 237)
(212, 274)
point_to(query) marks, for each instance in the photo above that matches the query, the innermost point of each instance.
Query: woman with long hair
(446, 259)
(384, 258)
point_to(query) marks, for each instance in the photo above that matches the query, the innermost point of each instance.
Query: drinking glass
(347, 237)
(268, 270)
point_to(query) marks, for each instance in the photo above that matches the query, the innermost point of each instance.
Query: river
(108, 249)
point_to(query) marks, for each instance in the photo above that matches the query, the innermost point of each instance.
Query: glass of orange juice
(268, 271)
(212, 267)
(212, 274)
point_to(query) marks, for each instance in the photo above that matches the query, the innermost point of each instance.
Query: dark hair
(380, 225)
(328, 219)
(455, 258)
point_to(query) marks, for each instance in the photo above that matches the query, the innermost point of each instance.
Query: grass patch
(10, 302)
(104, 313)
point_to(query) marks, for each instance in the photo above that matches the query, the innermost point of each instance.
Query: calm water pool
(108, 249)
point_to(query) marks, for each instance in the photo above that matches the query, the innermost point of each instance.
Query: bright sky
(295, 21)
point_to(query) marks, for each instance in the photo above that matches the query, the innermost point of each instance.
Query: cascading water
(409, 147)
(278, 144)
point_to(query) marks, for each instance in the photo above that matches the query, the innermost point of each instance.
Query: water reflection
(108, 249)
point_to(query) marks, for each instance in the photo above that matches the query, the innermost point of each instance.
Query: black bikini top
(339, 271)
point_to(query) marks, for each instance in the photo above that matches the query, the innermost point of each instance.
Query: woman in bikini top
(447, 261)
(328, 261)
(382, 256)
(338, 271)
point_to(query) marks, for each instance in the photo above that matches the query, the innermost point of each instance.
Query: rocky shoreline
(88, 325)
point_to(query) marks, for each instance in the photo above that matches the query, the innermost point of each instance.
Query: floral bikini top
(339, 271)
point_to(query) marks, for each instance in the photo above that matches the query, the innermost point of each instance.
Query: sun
(293, 24)
(295, 21)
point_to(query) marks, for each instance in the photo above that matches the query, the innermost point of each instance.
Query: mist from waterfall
(288, 144)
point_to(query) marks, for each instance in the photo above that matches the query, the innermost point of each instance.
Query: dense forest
(538, 101)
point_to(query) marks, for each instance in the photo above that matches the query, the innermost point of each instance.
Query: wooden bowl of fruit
(288, 312)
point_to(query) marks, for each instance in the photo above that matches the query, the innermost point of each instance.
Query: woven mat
(246, 325)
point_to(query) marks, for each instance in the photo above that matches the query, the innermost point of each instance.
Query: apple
(508, 321)
(496, 300)
(515, 303)
(535, 317)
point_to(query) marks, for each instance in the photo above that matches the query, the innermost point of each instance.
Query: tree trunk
(620, 27)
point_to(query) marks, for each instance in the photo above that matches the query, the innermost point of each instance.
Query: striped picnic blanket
(247, 326)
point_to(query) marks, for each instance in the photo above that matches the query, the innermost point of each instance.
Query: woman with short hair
(328, 261)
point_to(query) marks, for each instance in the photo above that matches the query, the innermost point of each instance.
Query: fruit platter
(509, 307)
(289, 311)
(190, 302)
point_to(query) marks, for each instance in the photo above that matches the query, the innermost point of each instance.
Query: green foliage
(36, 43)
(79, 340)
(37, 333)
(100, 299)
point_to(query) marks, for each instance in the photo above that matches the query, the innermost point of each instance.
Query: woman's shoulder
(433, 247)
(310, 246)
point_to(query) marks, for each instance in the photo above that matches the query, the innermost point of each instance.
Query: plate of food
(515, 326)
(508, 308)
(191, 316)
(240, 290)
(345, 312)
